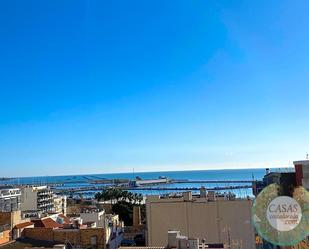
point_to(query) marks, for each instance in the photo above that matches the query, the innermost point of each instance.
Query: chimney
(172, 238)
(187, 196)
(193, 243)
(182, 242)
(211, 195)
(136, 216)
(203, 193)
(152, 198)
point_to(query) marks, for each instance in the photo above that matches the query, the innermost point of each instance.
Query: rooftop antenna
(307, 156)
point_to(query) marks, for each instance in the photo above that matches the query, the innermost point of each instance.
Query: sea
(77, 181)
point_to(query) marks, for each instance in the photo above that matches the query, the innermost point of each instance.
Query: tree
(125, 201)
(140, 199)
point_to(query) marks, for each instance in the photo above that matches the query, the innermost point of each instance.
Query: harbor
(239, 181)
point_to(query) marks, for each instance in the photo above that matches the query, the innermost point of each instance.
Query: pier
(212, 181)
(98, 189)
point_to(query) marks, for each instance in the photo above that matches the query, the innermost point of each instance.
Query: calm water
(85, 180)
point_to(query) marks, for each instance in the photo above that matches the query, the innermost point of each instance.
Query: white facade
(113, 226)
(94, 216)
(9, 199)
(37, 198)
(60, 204)
(114, 231)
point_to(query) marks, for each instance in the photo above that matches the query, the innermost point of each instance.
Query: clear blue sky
(105, 86)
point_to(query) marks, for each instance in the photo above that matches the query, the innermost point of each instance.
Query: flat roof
(303, 162)
(5, 187)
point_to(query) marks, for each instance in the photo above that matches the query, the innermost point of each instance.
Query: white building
(93, 216)
(114, 231)
(113, 226)
(9, 199)
(37, 198)
(60, 204)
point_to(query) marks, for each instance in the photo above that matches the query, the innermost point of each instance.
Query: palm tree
(130, 196)
(118, 194)
(135, 198)
(125, 195)
(98, 196)
(140, 199)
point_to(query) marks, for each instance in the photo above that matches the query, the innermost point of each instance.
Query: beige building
(14, 224)
(37, 198)
(216, 220)
(177, 241)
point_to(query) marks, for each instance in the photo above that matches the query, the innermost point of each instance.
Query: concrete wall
(97, 217)
(28, 199)
(130, 232)
(200, 219)
(305, 180)
(5, 237)
(10, 218)
(39, 233)
(5, 218)
(77, 237)
(302, 173)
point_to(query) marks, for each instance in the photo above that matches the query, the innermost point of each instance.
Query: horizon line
(136, 172)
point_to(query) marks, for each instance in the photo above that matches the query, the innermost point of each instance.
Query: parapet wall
(77, 237)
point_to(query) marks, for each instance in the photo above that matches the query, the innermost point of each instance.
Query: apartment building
(37, 198)
(9, 199)
(60, 204)
(226, 221)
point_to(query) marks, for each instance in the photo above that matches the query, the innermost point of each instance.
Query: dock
(98, 189)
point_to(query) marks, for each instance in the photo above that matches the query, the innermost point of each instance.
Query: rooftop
(24, 243)
(303, 162)
(24, 224)
(46, 222)
(66, 220)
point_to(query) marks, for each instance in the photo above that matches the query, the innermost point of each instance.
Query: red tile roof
(66, 220)
(23, 225)
(46, 222)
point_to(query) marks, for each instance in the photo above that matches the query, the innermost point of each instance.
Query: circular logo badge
(281, 220)
(284, 213)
